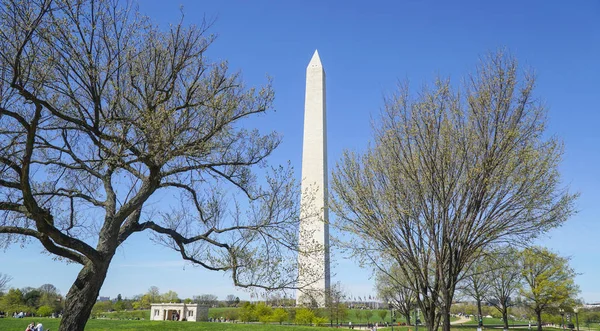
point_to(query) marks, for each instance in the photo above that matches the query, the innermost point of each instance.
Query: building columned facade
(190, 312)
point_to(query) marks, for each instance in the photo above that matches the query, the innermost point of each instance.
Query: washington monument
(313, 260)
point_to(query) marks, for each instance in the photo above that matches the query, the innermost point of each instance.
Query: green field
(120, 322)
(19, 324)
(356, 316)
(496, 321)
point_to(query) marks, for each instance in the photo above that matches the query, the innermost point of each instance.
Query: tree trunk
(431, 320)
(445, 309)
(430, 324)
(505, 318)
(479, 313)
(445, 321)
(407, 316)
(538, 314)
(82, 296)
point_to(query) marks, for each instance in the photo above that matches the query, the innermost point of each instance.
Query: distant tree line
(153, 295)
(507, 283)
(42, 301)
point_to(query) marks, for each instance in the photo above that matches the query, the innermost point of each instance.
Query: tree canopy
(548, 281)
(450, 172)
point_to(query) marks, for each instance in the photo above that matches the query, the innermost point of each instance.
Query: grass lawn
(495, 321)
(356, 316)
(19, 324)
(135, 314)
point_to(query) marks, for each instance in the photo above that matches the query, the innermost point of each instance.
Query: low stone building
(190, 312)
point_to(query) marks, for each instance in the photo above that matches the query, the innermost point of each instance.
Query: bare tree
(153, 294)
(392, 286)
(336, 308)
(50, 297)
(206, 299)
(477, 282)
(504, 280)
(230, 300)
(99, 111)
(48, 289)
(4, 280)
(449, 173)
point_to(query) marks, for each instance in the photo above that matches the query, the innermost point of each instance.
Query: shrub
(280, 315)
(230, 314)
(263, 312)
(247, 312)
(45, 311)
(291, 314)
(304, 316)
(319, 321)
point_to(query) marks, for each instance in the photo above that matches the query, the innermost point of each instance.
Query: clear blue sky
(365, 47)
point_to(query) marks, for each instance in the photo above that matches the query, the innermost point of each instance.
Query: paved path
(462, 320)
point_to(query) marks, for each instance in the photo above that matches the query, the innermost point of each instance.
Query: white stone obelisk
(313, 259)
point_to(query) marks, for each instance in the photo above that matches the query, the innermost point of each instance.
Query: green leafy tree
(280, 315)
(231, 314)
(45, 311)
(32, 298)
(304, 316)
(452, 171)
(50, 297)
(12, 300)
(92, 95)
(119, 305)
(247, 313)
(263, 312)
(170, 296)
(144, 302)
(368, 314)
(548, 281)
(102, 307)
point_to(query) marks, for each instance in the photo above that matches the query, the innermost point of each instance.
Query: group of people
(33, 327)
